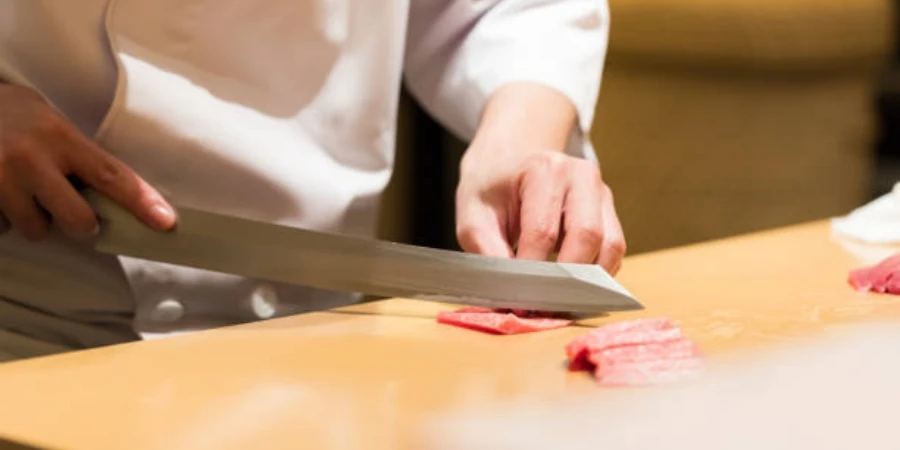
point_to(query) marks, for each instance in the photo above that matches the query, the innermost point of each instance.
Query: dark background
(888, 106)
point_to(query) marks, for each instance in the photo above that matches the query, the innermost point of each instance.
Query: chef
(282, 111)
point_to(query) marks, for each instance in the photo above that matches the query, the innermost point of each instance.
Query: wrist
(520, 119)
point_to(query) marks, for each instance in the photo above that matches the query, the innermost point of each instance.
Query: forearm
(462, 54)
(521, 118)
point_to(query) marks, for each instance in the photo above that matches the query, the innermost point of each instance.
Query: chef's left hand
(520, 196)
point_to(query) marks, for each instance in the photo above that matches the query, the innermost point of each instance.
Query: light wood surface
(367, 376)
(837, 392)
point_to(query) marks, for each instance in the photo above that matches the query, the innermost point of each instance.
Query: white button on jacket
(276, 110)
(168, 310)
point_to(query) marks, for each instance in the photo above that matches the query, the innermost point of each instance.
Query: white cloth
(276, 110)
(877, 222)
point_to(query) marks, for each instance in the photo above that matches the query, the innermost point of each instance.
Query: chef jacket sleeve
(459, 52)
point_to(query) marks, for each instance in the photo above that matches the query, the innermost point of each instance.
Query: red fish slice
(639, 331)
(633, 354)
(500, 321)
(638, 352)
(655, 363)
(883, 277)
(657, 371)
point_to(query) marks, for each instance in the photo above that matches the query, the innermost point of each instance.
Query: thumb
(482, 230)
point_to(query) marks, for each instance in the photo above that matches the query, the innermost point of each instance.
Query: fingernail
(83, 235)
(163, 215)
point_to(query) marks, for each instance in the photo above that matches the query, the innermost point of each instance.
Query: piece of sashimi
(640, 331)
(630, 354)
(866, 279)
(881, 277)
(579, 360)
(892, 285)
(887, 283)
(657, 371)
(577, 349)
(860, 279)
(655, 323)
(499, 323)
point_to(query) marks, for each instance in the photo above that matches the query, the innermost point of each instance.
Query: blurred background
(715, 118)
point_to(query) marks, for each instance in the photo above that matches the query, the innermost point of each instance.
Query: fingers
(592, 230)
(16, 201)
(562, 203)
(481, 230)
(582, 224)
(69, 210)
(35, 186)
(119, 182)
(23, 213)
(44, 181)
(613, 248)
(39, 149)
(542, 191)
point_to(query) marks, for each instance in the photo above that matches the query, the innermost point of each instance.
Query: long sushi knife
(335, 262)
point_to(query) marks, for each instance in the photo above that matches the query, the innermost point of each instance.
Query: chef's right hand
(40, 151)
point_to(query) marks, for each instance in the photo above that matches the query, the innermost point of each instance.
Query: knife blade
(256, 249)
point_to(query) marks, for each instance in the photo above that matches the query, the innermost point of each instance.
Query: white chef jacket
(276, 110)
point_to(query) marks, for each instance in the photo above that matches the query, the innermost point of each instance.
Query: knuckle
(589, 234)
(19, 154)
(48, 122)
(618, 246)
(548, 162)
(589, 170)
(544, 235)
(107, 174)
(12, 141)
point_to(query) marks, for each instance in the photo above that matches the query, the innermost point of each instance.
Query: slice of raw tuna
(638, 352)
(650, 372)
(631, 354)
(883, 277)
(639, 331)
(500, 321)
